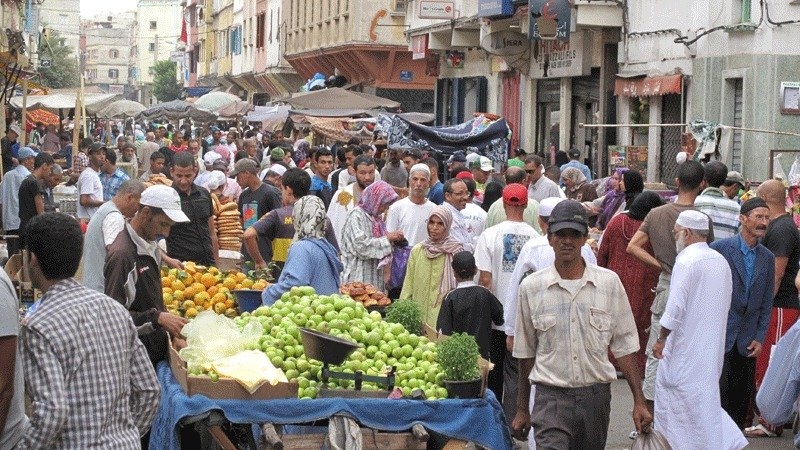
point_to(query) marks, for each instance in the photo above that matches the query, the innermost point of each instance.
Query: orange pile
(198, 288)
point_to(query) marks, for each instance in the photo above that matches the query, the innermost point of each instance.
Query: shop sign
(494, 8)
(556, 59)
(505, 43)
(419, 45)
(436, 10)
(406, 75)
(550, 19)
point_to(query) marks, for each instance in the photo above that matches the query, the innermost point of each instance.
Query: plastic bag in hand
(650, 441)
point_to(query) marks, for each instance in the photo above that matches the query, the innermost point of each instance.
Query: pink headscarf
(448, 246)
(373, 198)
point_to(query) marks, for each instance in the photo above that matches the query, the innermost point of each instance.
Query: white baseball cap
(486, 164)
(210, 157)
(165, 198)
(16, 129)
(547, 204)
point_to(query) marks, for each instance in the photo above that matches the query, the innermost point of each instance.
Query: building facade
(62, 16)
(158, 33)
(107, 53)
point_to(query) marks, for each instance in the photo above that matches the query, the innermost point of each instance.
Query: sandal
(758, 431)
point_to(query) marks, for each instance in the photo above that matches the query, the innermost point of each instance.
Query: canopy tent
(177, 109)
(42, 116)
(121, 109)
(481, 135)
(271, 117)
(65, 100)
(338, 98)
(343, 128)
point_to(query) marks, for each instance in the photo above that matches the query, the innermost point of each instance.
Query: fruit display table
(477, 420)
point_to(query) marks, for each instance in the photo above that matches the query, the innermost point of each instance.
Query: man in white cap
(481, 169)
(410, 214)
(133, 268)
(535, 255)
(346, 198)
(208, 161)
(9, 194)
(691, 344)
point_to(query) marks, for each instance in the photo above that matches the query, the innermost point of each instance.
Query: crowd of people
(564, 280)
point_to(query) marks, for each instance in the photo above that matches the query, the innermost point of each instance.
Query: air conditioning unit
(400, 6)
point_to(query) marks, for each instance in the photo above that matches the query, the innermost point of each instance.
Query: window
(151, 47)
(113, 53)
(153, 25)
(400, 6)
(236, 40)
(113, 74)
(260, 29)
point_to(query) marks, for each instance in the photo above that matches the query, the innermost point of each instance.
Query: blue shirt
(111, 183)
(323, 275)
(436, 193)
(749, 264)
(781, 385)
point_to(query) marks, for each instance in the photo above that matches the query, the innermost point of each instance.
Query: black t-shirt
(258, 202)
(191, 241)
(28, 191)
(471, 309)
(783, 240)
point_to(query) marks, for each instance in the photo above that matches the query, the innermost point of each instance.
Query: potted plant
(458, 356)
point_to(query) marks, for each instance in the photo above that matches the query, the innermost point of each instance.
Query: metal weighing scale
(332, 350)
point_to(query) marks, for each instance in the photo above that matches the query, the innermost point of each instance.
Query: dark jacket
(133, 279)
(749, 316)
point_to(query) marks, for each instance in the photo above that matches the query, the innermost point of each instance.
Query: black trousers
(497, 352)
(510, 387)
(736, 385)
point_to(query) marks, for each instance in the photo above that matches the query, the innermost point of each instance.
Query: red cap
(464, 175)
(515, 194)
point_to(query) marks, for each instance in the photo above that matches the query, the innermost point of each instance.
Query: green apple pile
(384, 344)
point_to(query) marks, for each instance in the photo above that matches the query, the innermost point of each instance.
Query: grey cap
(734, 177)
(568, 214)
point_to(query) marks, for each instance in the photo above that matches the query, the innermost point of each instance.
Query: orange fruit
(166, 282)
(201, 297)
(177, 286)
(178, 295)
(191, 313)
(247, 283)
(208, 280)
(198, 287)
(240, 276)
(229, 283)
(213, 290)
(219, 308)
(213, 270)
(229, 303)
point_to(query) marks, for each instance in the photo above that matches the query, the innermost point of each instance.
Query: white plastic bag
(211, 336)
(650, 441)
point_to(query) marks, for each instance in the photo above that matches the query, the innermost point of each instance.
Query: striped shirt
(568, 326)
(87, 372)
(361, 252)
(724, 212)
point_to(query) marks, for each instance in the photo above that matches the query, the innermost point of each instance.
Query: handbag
(400, 257)
(650, 441)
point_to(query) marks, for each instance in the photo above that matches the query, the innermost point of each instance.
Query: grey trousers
(571, 418)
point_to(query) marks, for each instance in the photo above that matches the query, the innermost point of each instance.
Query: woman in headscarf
(429, 273)
(366, 245)
(638, 278)
(577, 188)
(614, 199)
(309, 246)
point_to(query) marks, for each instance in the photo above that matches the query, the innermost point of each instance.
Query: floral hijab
(309, 218)
(372, 200)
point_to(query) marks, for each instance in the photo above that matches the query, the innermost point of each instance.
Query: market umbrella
(214, 101)
(42, 116)
(338, 98)
(121, 109)
(235, 109)
(177, 109)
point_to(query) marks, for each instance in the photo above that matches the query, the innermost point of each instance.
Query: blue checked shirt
(88, 375)
(111, 183)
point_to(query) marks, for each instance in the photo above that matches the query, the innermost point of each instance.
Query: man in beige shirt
(569, 315)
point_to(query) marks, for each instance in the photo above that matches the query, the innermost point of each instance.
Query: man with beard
(691, 343)
(346, 198)
(753, 269)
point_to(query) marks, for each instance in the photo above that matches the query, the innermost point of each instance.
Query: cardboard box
(371, 440)
(225, 388)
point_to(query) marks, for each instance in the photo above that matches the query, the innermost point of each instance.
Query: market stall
(477, 420)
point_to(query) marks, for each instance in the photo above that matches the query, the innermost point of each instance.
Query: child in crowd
(469, 307)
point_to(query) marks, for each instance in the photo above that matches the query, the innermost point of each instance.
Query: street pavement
(621, 424)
